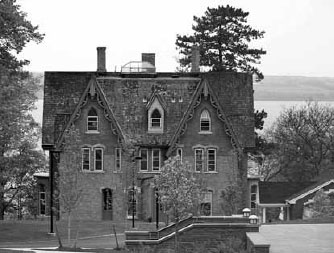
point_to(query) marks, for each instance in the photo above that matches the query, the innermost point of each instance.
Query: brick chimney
(101, 59)
(195, 58)
(148, 57)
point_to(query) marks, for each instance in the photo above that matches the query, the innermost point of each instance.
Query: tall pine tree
(223, 38)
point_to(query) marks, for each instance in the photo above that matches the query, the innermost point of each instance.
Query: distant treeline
(294, 88)
(277, 88)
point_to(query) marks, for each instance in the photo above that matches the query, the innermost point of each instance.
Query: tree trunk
(176, 248)
(69, 228)
(2, 201)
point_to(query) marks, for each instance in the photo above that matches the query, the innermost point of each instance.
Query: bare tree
(305, 141)
(68, 179)
(179, 190)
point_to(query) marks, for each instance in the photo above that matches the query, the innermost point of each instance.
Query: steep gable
(92, 91)
(205, 90)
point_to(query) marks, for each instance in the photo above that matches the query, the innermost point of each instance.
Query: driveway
(299, 238)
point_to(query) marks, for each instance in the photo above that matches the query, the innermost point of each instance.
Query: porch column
(51, 170)
(264, 215)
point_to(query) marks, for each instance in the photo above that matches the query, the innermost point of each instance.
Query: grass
(92, 234)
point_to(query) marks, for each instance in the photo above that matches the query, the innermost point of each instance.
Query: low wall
(196, 234)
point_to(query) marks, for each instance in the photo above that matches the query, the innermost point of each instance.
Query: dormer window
(92, 121)
(155, 117)
(205, 122)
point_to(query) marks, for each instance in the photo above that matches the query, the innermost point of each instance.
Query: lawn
(92, 234)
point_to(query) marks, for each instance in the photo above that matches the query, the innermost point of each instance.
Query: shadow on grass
(71, 249)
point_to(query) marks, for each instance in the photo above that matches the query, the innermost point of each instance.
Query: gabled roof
(203, 89)
(278, 192)
(155, 95)
(125, 97)
(309, 190)
(92, 90)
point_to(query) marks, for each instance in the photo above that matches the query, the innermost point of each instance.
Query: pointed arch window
(205, 121)
(156, 119)
(92, 121)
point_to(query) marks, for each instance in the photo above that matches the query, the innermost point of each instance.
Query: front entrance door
(107, 204)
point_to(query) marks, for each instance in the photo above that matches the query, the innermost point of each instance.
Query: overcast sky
(299, 35)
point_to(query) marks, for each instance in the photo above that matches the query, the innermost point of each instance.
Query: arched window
(205, 121)
(92, 121)
(156, 119)
(155, 116)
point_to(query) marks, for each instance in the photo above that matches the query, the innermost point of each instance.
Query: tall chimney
(148, 57)
(101, 59)
(195, 58)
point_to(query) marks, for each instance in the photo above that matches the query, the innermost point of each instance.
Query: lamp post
(136, 158)
(157, 208)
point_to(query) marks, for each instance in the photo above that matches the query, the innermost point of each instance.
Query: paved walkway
(299, 238)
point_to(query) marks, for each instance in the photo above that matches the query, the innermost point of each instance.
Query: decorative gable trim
(314, 189)
(205, 89)
(155, 95)
(93, 91)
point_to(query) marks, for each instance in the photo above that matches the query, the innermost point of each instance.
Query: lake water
(273, 108)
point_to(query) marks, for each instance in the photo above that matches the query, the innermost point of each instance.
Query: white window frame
(208, 160)
(95, 160)
(159, 152)
(253, 194)
(118, 159)
(42, 200)
(155, 106)
(82, 159)
(202, 160)
(205, 116)
(157, 119)
(146, 159)
(207, 198)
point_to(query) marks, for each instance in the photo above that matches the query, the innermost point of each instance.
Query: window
(199, 160)
(179, 153)
(206, 203)
(156, 119)
(205, 122)
(86, 159)
(155, 159)
(42, 200)
(143, 161)
(118, 159)
(211, 160)
(98, 158)
(253, 196)
(92, 121)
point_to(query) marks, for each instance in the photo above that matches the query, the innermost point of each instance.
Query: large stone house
(206, 118)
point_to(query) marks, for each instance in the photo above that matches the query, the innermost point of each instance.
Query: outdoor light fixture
(253, 219)
(246, 212)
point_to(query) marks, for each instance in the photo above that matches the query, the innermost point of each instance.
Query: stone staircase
(212, 231)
